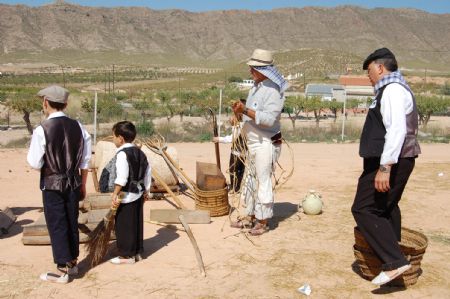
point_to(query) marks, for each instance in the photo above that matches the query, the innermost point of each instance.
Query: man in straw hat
(389, 147)
(261, 116)
(60, 148)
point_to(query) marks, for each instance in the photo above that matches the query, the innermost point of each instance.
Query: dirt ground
(299, 249)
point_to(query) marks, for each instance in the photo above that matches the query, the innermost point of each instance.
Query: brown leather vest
(63, 154)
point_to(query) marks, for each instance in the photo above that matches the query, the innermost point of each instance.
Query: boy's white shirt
(122, 170)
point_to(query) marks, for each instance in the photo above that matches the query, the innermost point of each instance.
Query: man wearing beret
(389, 147)
(60, 148)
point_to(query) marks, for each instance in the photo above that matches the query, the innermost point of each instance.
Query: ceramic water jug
(312, 203)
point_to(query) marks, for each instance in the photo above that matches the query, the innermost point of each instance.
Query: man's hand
(82, 192)
(238, 107)
(215, 139)
(146, 196)
(382, 181)
(115, 202)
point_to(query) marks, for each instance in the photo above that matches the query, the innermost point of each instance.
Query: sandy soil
(299, 249)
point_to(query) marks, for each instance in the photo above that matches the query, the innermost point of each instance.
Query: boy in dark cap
(389, 147)
(60, 148)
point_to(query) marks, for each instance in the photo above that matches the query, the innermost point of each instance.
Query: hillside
(66, 31)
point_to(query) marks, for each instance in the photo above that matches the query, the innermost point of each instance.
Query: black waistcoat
(137, 165)
(63, 154)
(372, 137)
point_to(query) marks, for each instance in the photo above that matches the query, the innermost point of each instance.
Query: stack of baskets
(215, 201)
(413, 246)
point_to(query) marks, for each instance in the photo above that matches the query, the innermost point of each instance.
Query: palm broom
(97, 244)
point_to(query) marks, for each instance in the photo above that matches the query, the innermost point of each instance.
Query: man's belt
(277, 138)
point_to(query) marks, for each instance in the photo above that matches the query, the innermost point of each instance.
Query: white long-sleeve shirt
(122, 171)
(36, 151)
(395, 104)
(267, 102)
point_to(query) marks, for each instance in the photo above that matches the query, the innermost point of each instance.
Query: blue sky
(434, 6)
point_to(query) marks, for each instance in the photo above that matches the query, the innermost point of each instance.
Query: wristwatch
(385, 168)
(245, 111)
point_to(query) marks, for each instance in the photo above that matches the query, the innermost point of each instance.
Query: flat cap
(378, 54)
(55, 94)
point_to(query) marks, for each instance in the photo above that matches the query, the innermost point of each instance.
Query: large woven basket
(413, 246)
(215, 201)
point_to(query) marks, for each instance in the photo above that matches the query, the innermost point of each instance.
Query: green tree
(185, 103)
(234, 79)
(353, 104)
(316, 105)
(25, 101)
(167, 105)
(334, 107)
(428, 105)
(293, 107)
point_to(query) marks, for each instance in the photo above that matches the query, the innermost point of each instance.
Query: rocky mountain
(414, 35)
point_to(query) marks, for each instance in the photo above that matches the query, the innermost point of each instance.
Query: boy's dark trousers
(61, 215)
(237, 169)
(377, 214)
(130, 228)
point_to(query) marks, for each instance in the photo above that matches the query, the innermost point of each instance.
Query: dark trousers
(61, 215)
(130, 228)
(237, 169)
(377, 214)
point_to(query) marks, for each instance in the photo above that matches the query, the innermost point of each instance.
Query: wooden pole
(160, 180)
(198, 255)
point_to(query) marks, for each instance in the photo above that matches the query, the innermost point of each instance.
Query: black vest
(372, 137)
(63, 154)
(137, 165)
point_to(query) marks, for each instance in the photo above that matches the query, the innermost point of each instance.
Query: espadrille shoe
(383, 278)
(52, 277)
(118, 260)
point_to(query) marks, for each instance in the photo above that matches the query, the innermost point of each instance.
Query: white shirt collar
(56, 114)
(124, 146)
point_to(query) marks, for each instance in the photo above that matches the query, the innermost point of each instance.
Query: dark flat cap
(378, 54)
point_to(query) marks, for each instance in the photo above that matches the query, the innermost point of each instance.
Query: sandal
(242, 223)
(259, 229)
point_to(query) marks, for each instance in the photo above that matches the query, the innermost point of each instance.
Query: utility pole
(109, 81)
(64, 77)
(113, 80)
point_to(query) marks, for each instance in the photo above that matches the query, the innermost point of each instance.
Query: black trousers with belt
(377, 214)
(61, 215)
(237, 169)
(130, 228)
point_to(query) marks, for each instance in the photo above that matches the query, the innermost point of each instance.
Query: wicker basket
(215, 201)
(413, 246)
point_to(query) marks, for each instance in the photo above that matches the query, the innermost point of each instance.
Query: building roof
(354, 80)
(322, 89)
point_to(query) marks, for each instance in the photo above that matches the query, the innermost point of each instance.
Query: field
(299, 249)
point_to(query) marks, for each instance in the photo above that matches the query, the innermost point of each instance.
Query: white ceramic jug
(312, 203)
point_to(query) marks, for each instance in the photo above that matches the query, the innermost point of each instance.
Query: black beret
(378, 54)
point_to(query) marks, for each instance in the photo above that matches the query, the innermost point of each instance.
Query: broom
(97, 244)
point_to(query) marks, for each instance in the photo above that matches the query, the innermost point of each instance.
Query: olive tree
(293, 106)
(24, 101)
(428, 105)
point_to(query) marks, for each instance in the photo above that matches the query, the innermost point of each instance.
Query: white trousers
(257, 189)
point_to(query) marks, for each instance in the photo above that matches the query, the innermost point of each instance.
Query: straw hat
(260, 58)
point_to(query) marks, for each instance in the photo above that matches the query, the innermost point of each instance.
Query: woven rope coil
(413, 246)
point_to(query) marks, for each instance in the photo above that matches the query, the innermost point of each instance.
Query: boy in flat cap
(60, 148)
(389, 147)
